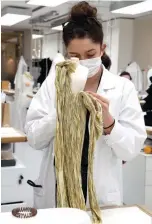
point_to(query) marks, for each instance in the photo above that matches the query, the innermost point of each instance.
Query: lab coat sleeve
(41, 117)
(129, 133)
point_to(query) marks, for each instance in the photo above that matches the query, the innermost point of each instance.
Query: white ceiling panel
(38, 12)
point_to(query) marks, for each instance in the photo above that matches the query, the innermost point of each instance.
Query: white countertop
(125, 215)
(147, 155)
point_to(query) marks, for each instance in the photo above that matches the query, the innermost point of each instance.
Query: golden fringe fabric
(70, 130)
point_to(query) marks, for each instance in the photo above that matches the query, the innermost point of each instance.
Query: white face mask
(93, 65)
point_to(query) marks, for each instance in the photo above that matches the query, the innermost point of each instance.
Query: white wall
(143, 41)
(52, 43)
(129, 40)
(111, 38)
(126, 42)
(119, 36)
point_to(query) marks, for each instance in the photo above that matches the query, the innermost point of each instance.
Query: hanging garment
(28, 83)
(23, 85)
(45, 66)
(136, 75)
(22, 68)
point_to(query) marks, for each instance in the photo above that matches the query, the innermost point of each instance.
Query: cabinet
(13, 186)
(137, 181)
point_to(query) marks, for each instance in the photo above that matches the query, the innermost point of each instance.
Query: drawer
(13, 194)
(148, 197)
(14, 175)
(10, 207)
(148, 178)
(149, 163)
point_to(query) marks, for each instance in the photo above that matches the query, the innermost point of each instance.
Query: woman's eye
(74, 56)
(91, 56)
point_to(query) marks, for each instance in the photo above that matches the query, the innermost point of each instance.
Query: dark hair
(106, 61)
(126, 73)
(83, 23)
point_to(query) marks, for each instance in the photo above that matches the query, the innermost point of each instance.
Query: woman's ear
(103, 48)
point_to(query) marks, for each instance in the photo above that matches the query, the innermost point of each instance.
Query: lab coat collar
(108, 80)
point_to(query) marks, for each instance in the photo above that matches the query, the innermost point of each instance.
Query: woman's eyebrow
(91, 50)
(73, 53)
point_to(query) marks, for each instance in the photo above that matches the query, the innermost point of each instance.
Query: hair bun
(83, 9)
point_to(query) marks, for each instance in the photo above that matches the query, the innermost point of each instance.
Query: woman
(126, 75)
(124, 131)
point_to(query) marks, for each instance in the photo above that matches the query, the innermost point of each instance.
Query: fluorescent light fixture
(11, 16)
(36, 36)
(134, 8)
(11, 19)
(49, 3)
(59, 28)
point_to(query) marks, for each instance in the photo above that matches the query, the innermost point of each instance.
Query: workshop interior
(76, 111)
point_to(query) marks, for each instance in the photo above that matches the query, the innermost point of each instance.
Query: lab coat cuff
(116, 134)
(52, 115)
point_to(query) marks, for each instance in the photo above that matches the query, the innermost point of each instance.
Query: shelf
(11, 135)
(149, 130)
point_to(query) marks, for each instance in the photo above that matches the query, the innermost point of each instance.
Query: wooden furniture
(30, 96)
(137, 181)
(10, 92)
(5, 114)
(5, 85)
(11, 135)
(149, 130)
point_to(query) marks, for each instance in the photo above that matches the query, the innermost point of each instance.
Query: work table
(149, 130)
(122, 215)
(10, 92)
(11, 135)
(146, 155)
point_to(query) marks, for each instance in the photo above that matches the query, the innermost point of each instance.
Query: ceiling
(54, 13)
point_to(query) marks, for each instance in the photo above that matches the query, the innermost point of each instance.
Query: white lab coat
(124, 143)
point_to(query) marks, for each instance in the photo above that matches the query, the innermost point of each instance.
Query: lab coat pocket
(38, 192)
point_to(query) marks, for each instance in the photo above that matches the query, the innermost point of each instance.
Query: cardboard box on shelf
(5, 85)
(5, 115)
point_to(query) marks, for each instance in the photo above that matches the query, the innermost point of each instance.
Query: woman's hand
(108, 120)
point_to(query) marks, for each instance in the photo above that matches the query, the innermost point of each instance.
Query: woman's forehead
(82, 45)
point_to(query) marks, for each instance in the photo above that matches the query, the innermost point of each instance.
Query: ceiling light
(36, 36)
(49, 3)
(12, 15)
(59, 28)
(134, 8)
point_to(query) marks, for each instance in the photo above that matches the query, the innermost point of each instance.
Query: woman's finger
(104, 105)
(101, 98)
